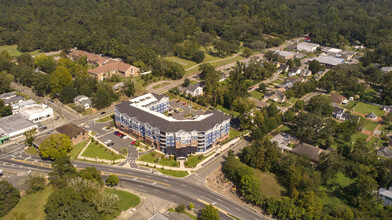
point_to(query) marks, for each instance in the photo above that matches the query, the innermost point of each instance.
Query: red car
(133, 142)
(177, 101)
(184, 103)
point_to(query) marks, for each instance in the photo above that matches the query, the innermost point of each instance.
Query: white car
(125, 137)
(107, 141)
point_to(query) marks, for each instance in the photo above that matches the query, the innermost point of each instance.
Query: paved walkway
(372, 134)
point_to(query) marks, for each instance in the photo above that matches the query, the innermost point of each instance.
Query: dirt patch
(366, 132)
(217, 182)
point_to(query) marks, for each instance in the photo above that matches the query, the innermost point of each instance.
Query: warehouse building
(14, 126)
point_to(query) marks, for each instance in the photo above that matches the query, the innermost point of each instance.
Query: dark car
(217, 155)
(110, 144)
(44, 128)
(116, 132)
(103, 113)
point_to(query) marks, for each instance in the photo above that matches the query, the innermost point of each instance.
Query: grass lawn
(88, 111)
(173, 172)
(32, 151)
(367, 108)
(227, 111)
(106, 119)
(358, 135)
(31, 206)
(224, 62)
(185, 213)
(278, 81)
(157, 158)
(76, 149)
(185, 63)
(13, 50)
(269, 184)
(350, 105)
(257, 95)
(127, 199)
(370, 125)
(332, 195)
(101, 152)
(193, 160)
(233, 133)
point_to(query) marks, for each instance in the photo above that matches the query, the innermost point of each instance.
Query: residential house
(328, 61)
(386, 69)
(283, 140)
(276, 96)
(76, 134)
(387, 108)
(372, 116)
(13, 100)
(339, 113)
(283, 68)
(310, 151)
(106, 66)
(385, 195)
(306, 73)
(319, 75)
(195, 89)
(23, 104)
(83, 101)
(347, 55)
(385, 152)
(339, 99)
(294, 71)
(307, 47)
(259, 104)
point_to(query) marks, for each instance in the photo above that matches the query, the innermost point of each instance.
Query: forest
(141, 30)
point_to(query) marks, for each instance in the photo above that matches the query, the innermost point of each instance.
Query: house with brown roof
(336, 98)
(106, 66)
(77, 134)
(310, 151)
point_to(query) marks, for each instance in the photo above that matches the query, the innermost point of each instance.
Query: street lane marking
(182, 185)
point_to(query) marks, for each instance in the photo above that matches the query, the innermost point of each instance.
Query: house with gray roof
(385, 195)
(328, 61)
(386, 69)
(83, 101)
(385, 152)
(195, 89)
(13, 100)
(143, 118)
(313, 152)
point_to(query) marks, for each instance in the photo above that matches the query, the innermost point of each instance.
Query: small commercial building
(287, 55)
(77, 134)
(307, 47)
(328, 61)
(14, 126)
(37, 112)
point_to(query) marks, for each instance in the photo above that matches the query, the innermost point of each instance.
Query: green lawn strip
(183, 62)
(193, 160)
(358, 135)
(367, 108)
(224, 62)
(278, 81)
(127, 199)
(227, 111)
(101, 152)
(160, 85)
(31, 206)
(234, 217)
(257, 95)
(13, 50)
(185, 213)
(88, 111)
(233, 133)
(174, 173)
(371, 125)
(269, 184)
(157, 158)
(76, 149)
(372, 141)
(282, 129)
(32, 150)
(105, 119)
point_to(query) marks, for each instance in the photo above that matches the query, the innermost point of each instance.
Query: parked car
(110, 144)
(177, 101)
(184, 103)
(116, 132)
(217, 155)
(107, 141)
(125, 137)
(103, 113)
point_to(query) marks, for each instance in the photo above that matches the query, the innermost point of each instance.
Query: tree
(5, 81)
(180, 208)
(320, 105)
(129, 87)
(91, 173)
(191, 206)
(55, 146)
(66, 203)
(62, 169)
(5, 109)
(112, 180)
(25, 59)
(9, 197)
(67, 94)
(59, 79)
(186, 82)
(209, 212)
(247, 52)
(262, 87)
(45, 63)
(41, 84)
(35, 182)
(199, 56)
(315, 66)
(30, 136)
(104, 96)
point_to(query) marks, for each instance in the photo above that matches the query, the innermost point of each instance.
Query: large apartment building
(143, 118)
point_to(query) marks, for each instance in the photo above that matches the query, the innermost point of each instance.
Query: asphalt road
(184, 190)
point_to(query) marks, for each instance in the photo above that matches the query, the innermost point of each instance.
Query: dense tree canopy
(9, 197)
